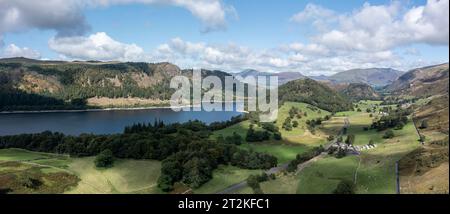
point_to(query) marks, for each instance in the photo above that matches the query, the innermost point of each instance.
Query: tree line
(187, 153)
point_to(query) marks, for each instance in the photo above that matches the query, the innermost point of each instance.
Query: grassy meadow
(223, 177)
(299, 140)
(374, 169)
(63, 174)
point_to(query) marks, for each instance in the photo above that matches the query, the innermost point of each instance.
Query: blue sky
(268, 35)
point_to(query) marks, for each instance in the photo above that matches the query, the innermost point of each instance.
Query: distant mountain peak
(371, 76)
(283, 77)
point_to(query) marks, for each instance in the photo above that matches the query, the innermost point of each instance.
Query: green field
(18, 167)
(376, 171)
(282, 184)
(24, 155)
(300, 134)
(323, 176)
(357, 124)
(240, 128)
(126, 176)
(294, 142)
(283, 152)
(376, 174)
(223, 177)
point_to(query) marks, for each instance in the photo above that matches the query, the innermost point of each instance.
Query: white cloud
(295, 57)
(14, 51)
(319, 16)
(370, 36)
(298, 58)
(212, 13)
(306, 49)
(64, 16)
(67, 18)
(98, 46)
(312, 12)
(383, 27)
(429, 23)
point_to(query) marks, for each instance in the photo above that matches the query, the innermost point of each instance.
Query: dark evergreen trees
(104, 159)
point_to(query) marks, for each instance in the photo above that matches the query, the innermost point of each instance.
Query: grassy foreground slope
(425, 171)
(22, 171)
(63, 174)
(126, 176)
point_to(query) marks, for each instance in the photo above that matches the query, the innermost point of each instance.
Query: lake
(99, 122)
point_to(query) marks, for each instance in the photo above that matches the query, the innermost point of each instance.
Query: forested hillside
(360, 91)
(52, 84)
(314, 93)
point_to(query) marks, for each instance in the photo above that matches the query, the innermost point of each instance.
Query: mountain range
(283, 77)
(422, 82)
(359, 91)
(375, 77)
(430, 83)
(53, 84)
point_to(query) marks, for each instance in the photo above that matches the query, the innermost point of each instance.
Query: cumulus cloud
(67, 18)
(64, 16)
(307, 49)
(233, 57)
(212, 13)
(383, 27)
(312, 12)
(370, 36)
(98, 46)
(309, 59)
(14, 51)
(319, 16)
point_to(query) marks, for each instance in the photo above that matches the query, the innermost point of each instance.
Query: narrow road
(233, 188)
(341, 133)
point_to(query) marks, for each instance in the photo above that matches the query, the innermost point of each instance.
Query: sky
(312, 37)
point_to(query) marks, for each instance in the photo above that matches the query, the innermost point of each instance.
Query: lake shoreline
(89, 110)
(99, 109)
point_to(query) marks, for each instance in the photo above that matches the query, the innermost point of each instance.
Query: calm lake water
(99, 122)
